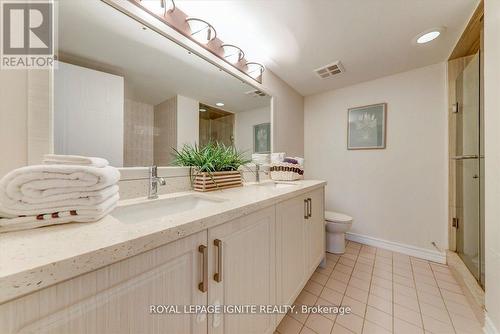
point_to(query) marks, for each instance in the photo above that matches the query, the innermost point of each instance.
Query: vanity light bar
(197, 31)
(254, 69)
(156, 6)
(190, 27)
(173, 5)
(236, 51)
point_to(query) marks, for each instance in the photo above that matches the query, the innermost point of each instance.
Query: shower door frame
(461, 159)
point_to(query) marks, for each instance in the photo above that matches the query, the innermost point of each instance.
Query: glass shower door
(469, 187)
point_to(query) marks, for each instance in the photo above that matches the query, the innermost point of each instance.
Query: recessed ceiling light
(219, 104)
(428, 35)
(203, 109)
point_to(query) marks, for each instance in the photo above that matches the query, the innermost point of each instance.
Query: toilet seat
(335, 217)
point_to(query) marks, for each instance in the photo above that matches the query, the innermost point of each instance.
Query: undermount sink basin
(160, 208)
(278, 185)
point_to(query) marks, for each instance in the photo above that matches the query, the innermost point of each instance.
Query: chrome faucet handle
(153, 171)
(259, 169)
(154, 180)
(257, 172)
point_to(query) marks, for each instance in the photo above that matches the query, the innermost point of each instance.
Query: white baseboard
(489, 326)
(426, 254)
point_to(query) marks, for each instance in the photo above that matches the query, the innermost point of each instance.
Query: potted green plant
(213, 166)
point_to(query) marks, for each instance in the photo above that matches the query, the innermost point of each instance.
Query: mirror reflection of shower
(216, 125)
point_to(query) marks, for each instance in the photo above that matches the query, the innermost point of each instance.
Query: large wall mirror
(126, 93)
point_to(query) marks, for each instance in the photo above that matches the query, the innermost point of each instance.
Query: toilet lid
(337, 217)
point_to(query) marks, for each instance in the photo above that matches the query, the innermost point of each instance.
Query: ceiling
(372, 38)
(93, 34)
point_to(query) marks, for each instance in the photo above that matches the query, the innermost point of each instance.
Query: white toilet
(336, 225)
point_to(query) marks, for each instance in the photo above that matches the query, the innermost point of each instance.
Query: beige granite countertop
(35, 259)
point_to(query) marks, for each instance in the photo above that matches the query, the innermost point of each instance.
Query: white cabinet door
(315, 229)
(246, 272)
(117, 298)
(291, 249)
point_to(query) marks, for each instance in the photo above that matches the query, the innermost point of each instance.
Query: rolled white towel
(277, 157)
(85, 215)
(74, 160)
(62, 202)
(40, 189)
(260, 158)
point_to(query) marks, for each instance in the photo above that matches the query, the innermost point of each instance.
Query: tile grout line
(323, 288)
(369, 290)
(319, 296)
(393, 303)
(416, 293)
(413, 266)
(343, 296)
(393, 313)
(442, 298)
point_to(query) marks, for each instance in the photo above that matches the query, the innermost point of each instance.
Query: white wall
(492, 157)
(287, 116)
(13, 119)
(397, 194)
(88, 113)
(25, 117)
(188, 121)
(243, 130)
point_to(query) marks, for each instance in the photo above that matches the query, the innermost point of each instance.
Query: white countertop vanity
(254, 245)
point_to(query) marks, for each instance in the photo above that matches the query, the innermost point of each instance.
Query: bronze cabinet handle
(309, 200)
(218, 274)
(306, 209)
(203, 285)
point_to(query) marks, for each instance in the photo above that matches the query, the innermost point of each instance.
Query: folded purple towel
(291, 161)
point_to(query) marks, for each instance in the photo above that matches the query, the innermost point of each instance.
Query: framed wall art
(366, 128)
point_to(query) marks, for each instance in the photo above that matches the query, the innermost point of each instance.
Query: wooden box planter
(216, 181)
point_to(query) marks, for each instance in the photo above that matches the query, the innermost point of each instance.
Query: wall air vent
(256, 93)
(329, 70)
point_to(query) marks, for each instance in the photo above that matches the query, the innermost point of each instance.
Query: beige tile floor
(388, 292)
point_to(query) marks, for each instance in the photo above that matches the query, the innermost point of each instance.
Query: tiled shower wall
(165, 136)
(138, 134)
(150, 133)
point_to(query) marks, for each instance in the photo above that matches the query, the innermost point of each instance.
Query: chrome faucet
(154, 180)
(258, 171)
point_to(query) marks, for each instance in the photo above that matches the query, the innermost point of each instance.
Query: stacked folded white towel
(64, 189)
(261, 158)
(277, 157)
(55, 159)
